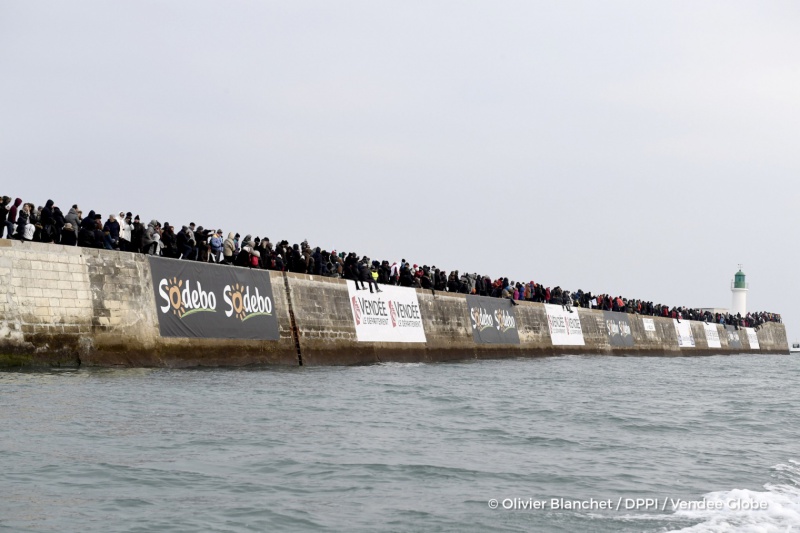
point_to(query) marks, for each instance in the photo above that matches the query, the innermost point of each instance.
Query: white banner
(565, 327)
(712, 335)
(752, 338)
(649, 324)
(389, 316)
(684, 331)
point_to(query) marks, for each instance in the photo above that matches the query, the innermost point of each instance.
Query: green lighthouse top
(738, 281)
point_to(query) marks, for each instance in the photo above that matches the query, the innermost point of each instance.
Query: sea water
(568, 443)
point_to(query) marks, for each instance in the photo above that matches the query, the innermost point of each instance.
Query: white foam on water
(400, 365)
(777, 507)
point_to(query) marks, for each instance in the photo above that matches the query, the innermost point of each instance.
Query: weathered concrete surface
(68, 306)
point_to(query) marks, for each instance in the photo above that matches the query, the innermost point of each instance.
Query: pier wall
(70, 306)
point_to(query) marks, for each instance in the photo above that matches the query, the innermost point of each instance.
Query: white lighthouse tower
(739, 294)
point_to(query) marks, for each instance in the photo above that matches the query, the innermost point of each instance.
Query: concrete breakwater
(69, 306)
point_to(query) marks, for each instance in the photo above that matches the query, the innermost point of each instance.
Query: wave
(775, 509)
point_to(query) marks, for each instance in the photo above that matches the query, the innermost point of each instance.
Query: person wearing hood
(47, 229)
(137, 235)
(169, 242)
(182, 243)
(228, 248)
(265, 248)
(23, 218)
(58, 223)
(151, 239)
(11, 220)
(5, 223)
(201, 240)
(73, 217)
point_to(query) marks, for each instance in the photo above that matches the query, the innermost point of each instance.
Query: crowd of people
(128, 233)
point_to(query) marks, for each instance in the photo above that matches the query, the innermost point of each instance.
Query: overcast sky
(638, 148)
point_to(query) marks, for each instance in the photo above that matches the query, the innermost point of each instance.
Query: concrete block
(69, 294)
(43, 312)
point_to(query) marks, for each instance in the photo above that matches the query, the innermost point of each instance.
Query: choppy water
(403, 447)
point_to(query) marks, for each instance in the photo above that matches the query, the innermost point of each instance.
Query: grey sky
(638, 148)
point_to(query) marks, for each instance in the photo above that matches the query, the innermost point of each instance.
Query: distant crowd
(127, 233)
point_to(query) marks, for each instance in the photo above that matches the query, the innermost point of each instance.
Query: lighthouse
(739, 294)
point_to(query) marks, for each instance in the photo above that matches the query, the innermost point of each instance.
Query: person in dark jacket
(74, 218)
(170, 241)
(137, 235)
(58, 223)
(86, 231)
(112, 227)
(243, 257)
(12, 216)
(68, 237)
(99, 235)
(5, 222)
(182, 243)
(23, 218)
(365, 275)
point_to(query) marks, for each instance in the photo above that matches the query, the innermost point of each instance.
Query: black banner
(618, 328)
(492, 320)
(734, 341)
(213, 301)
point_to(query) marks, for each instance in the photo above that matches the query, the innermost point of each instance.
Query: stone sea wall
(68, 306)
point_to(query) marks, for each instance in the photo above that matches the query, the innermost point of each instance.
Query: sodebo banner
(213, 301)
(391, 315)
(565, 327)
(492, 320)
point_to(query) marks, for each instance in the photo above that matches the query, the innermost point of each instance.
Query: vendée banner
(684, 331)
(712, 335)
(752, 338)
(391, 315)
(565, 327)
(493, 320)
(202, 300)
